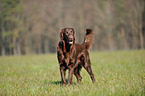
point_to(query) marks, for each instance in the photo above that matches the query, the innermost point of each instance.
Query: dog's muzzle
(70, 38)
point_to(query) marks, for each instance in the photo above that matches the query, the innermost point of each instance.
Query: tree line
(32, 27)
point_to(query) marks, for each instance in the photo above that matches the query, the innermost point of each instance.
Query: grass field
(120, 73)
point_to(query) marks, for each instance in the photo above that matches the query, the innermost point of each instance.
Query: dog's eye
(71, 31)
(66, 32)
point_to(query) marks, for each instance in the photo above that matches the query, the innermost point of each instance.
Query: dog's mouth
(70, 41)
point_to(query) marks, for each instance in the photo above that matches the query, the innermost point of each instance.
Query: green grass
(120, 73)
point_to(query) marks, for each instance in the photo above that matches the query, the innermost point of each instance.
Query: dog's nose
(70, 37)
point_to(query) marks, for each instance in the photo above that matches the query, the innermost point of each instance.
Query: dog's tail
(89, 39)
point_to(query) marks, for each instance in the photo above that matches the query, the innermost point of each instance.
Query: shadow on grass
(55, 82)
(59, 83)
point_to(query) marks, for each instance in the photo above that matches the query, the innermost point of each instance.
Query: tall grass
(117, 73)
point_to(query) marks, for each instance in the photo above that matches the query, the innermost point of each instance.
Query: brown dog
(73, 56)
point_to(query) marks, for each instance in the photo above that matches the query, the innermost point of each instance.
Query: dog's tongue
(71, 42)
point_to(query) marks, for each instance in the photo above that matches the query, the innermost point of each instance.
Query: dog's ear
(73, 33)
(61, 34)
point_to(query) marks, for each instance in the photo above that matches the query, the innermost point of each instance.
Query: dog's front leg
(71, 72)
(62, 72)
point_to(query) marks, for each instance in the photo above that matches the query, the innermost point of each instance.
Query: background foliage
(28, 26)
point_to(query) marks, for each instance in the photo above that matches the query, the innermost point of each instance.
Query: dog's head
(68, 35)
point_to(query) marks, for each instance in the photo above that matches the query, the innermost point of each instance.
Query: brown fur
(73, 56)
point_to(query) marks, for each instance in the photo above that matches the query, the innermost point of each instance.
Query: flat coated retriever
(73, 56)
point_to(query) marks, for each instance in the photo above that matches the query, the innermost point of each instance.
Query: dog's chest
(69, 60)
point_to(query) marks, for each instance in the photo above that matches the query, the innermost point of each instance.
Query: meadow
(119, 73)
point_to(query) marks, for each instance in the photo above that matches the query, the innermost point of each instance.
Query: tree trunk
(18, 48)
(2, 39)
(123, 38)
(143, 27)
(81, 23)
(3, 51)
(46, 46)
(109, 38)
(14, 46)
(141, 40)
(133, 37)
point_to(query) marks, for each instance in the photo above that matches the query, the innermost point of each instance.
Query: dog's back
(88, 41)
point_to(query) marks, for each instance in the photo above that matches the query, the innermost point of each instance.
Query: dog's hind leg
(87, 66)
